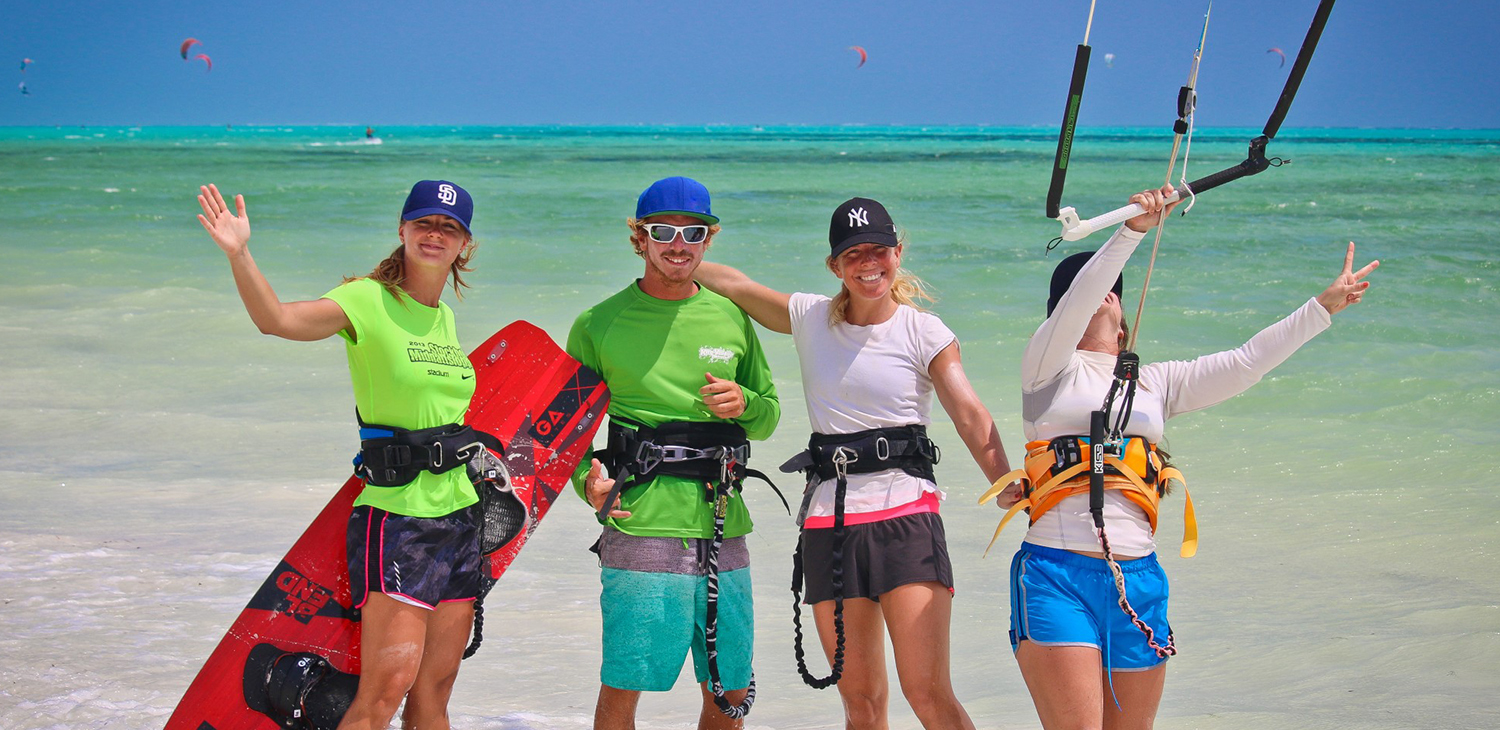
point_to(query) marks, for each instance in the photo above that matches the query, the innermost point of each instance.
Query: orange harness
(1059, 469)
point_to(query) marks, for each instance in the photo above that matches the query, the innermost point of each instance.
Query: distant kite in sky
(206, 60)
(24, 63)
(24, 90)
(1278, 52)
(189, 43)
(1109, 60)
(862, 55)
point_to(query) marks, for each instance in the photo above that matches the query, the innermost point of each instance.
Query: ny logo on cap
(447, 194)
(858, 217)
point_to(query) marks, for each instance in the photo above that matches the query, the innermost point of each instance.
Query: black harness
(637, 454)
(835, 456)
(711, 453)
(393, 457)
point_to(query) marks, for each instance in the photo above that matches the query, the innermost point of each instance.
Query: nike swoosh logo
(466, 377)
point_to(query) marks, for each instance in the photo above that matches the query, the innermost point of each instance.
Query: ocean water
(158, 455)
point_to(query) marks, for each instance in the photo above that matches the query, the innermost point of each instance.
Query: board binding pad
(541, 403)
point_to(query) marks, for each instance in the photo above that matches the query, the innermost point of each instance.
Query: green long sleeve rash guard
(653, 354)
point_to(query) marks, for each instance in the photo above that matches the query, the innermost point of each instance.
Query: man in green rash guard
(685, 368)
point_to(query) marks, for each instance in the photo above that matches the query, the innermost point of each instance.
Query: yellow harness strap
(1053, 489)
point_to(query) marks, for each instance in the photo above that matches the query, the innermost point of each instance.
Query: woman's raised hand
(1152, 201)
(1347, 288)
(230, 231)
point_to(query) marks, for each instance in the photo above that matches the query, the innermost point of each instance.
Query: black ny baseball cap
(860, 220)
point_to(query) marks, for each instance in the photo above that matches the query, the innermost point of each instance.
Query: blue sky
(1381, 63)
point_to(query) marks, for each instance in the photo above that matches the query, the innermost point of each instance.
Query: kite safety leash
(722, 489)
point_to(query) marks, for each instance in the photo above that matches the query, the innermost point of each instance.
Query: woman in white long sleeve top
(1074, 642)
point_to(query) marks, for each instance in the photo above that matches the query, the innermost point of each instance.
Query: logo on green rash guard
(715, 354)
(453, 357)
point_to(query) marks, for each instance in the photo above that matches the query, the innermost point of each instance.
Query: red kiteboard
(541, 403)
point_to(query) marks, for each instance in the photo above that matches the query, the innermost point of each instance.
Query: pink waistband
(928, 502)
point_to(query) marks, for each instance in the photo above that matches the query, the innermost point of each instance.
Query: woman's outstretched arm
(771, 308)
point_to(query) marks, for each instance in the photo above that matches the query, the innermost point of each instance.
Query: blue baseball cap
(439, 197)
(676, 196)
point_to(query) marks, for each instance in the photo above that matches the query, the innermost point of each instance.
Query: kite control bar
(1075, 228)
(1255, 162)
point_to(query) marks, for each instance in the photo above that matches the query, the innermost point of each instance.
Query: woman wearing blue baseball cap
(414, 558)
(872, 548)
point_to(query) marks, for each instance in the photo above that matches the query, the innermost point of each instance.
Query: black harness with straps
(835, 456)
(393, 457)
(637, 454)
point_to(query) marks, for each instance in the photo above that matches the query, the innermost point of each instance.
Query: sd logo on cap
(439, 197)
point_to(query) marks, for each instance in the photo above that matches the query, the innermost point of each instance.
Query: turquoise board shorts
(1061, 598)
(654, 600)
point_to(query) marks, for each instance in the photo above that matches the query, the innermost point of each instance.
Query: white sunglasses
(666, 232)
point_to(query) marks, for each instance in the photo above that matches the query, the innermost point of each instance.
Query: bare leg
(392, 635)
(918, 615)
(616, 708)
(1139, 694)
(864, 687)
(1065, 684)
(711, 719)
(447, 637)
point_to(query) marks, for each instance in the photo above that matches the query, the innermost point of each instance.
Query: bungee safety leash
(1074, 227)
(841, 459)
(711, 614)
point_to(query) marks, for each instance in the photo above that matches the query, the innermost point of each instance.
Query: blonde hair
(638, 228)
(908, 289)
(391, 272)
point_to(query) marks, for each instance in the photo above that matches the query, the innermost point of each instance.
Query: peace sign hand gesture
(230, 231)
(1347, 288)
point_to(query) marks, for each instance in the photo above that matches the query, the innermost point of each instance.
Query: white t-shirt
(856, 378)
(1061, 385)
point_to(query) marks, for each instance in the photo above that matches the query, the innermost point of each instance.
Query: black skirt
(877, 557)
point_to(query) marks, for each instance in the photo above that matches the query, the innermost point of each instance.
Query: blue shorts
(1061, 598)
(654, 602)
(420, 561)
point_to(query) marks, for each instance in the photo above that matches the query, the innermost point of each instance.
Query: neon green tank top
(409, 372)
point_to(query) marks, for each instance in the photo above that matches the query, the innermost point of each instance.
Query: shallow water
(157, 455)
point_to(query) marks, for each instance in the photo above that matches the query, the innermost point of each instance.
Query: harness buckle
(397, 455)
(671, 453)
(435, 454)
(475, 446)
(882, 449)
(647, 456)
(843, 456)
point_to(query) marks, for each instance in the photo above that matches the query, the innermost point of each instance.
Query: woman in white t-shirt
(872, 541)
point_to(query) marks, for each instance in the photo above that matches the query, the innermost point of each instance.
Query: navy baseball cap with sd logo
(439, 197)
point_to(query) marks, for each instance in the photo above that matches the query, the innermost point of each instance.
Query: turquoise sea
(158, 455)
